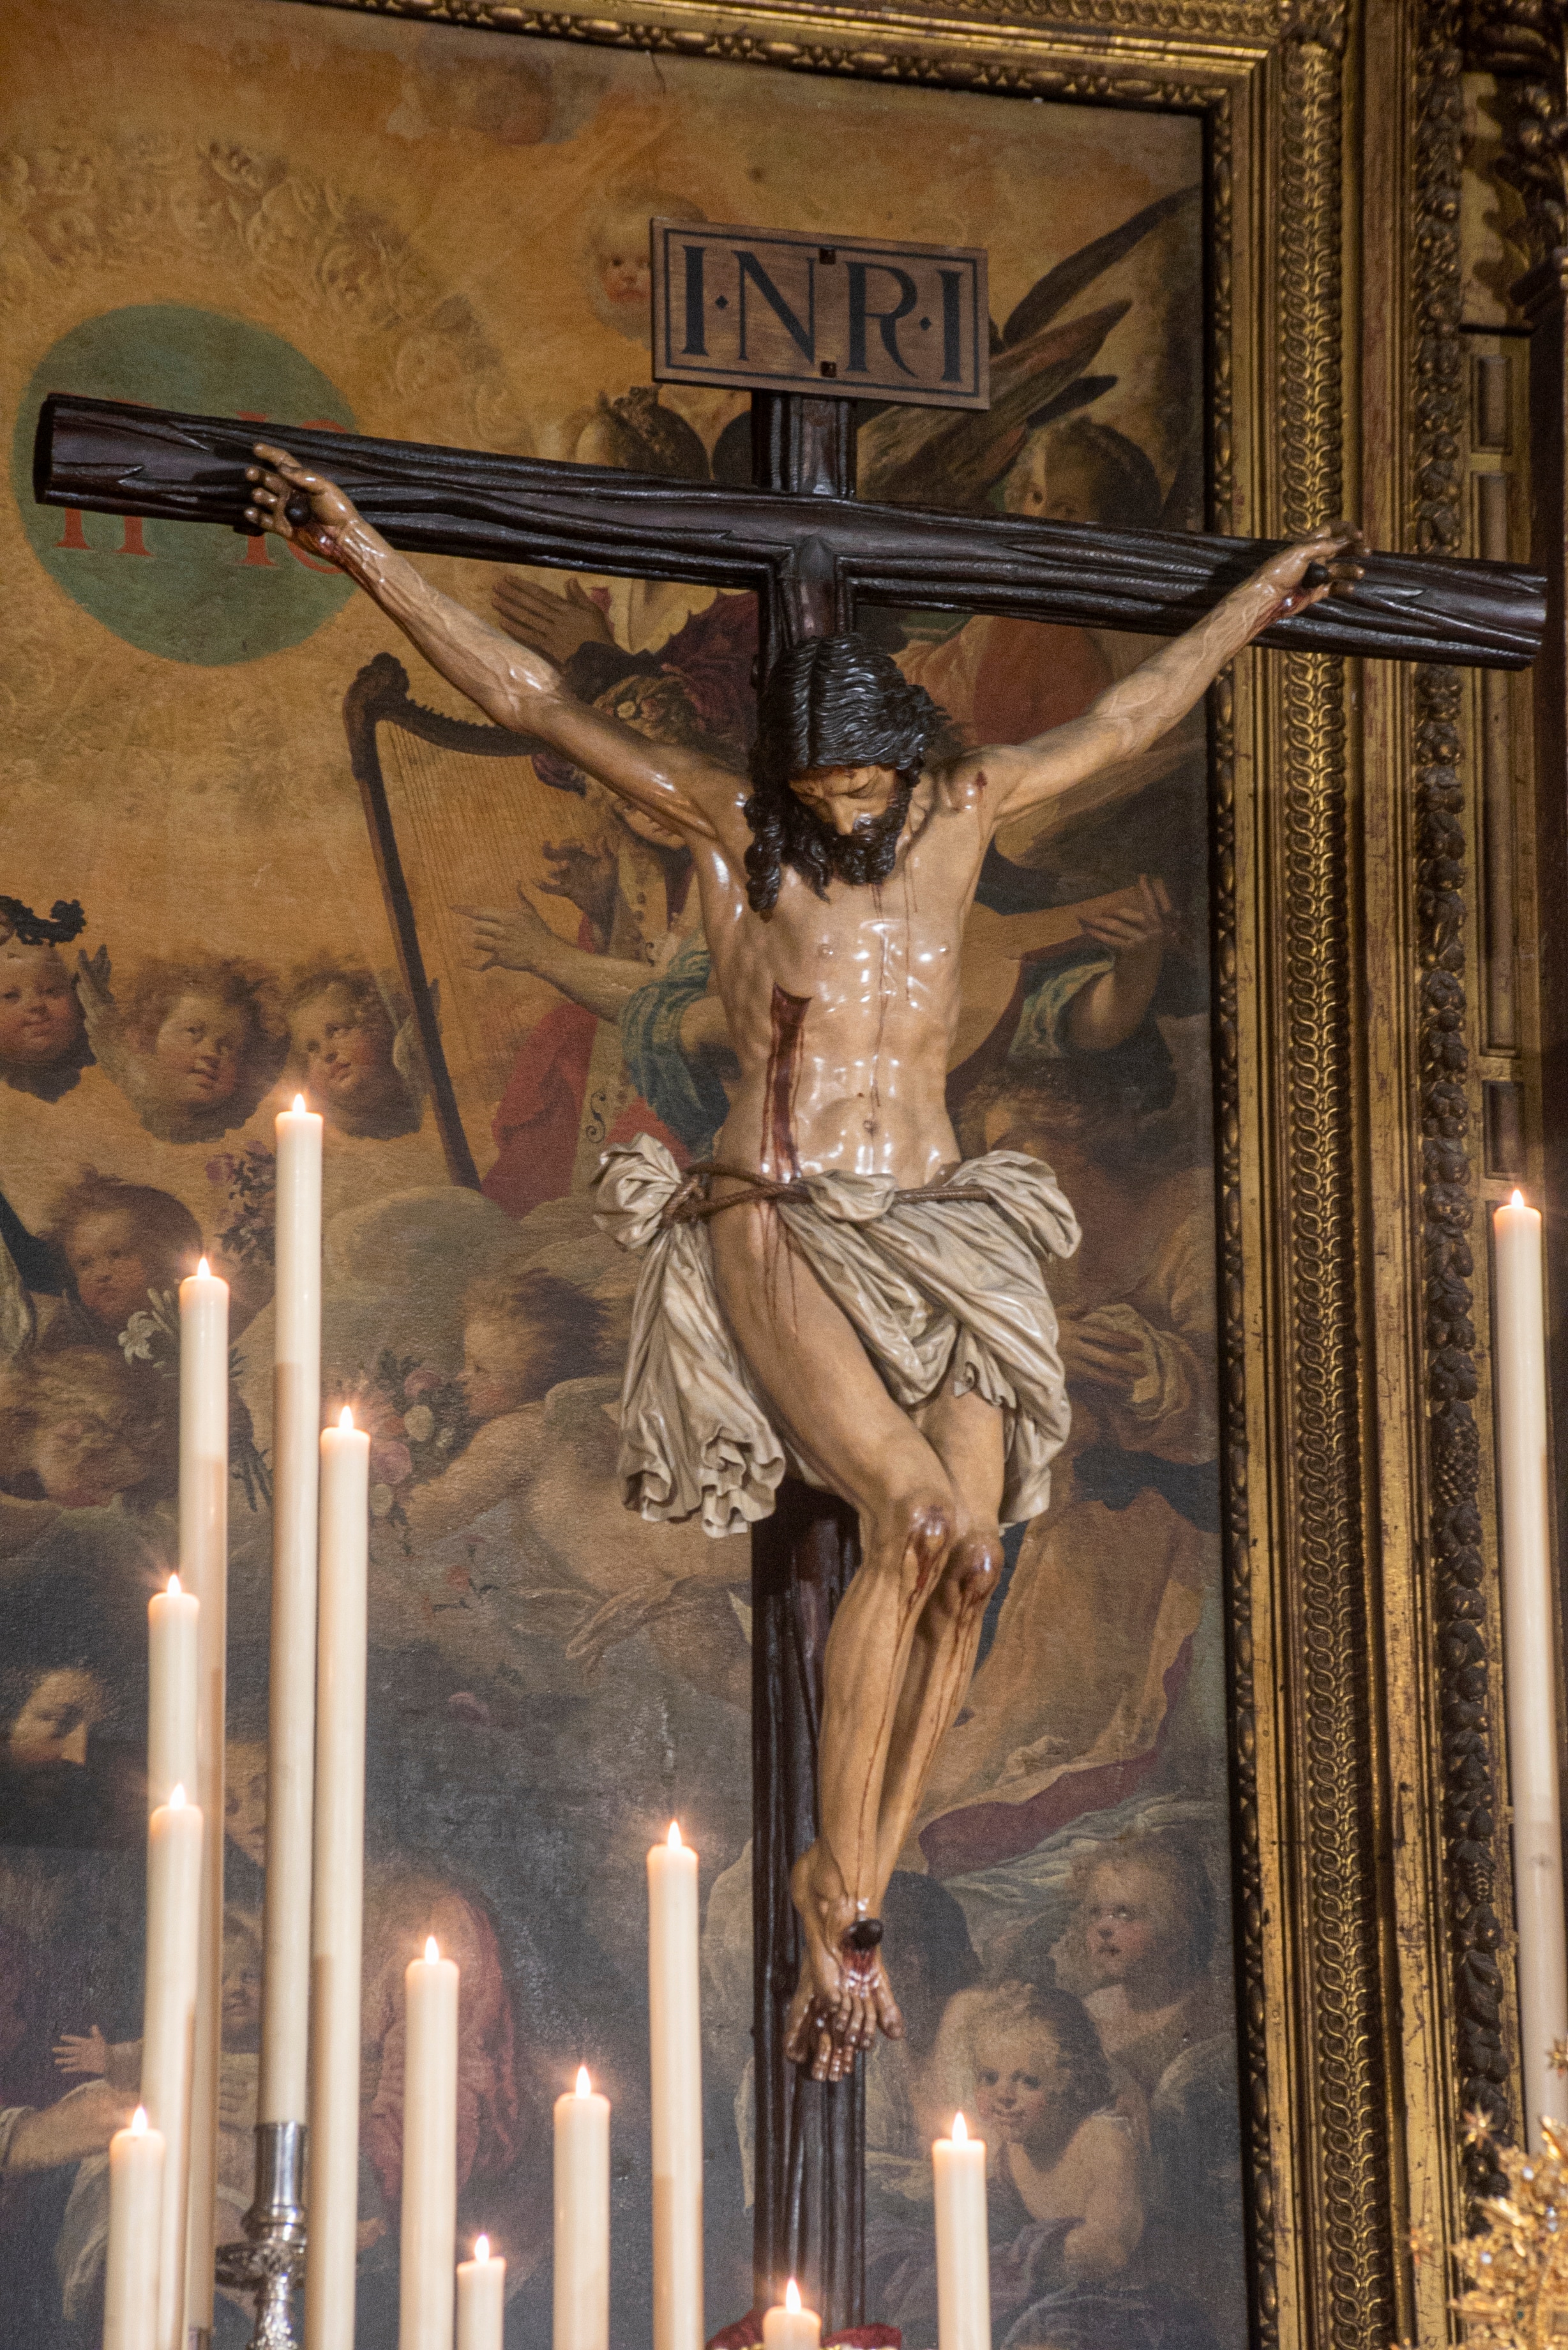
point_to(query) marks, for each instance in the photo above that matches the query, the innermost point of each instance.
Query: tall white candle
(295, 1423)
(1518, 1353)
(173, 1690)
(963, 2243)
(675, 2047)
(788, 2326)
(204, 1572)
(169, 2032)
(135, 2204)
(430, 2152)
(582, 2218)
(481, 2299)
(337, 1910)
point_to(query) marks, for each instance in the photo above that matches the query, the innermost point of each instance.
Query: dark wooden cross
(812, 551)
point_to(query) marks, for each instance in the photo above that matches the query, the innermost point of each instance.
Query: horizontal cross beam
(111, 458)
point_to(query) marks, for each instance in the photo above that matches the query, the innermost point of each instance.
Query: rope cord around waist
(692, 1204)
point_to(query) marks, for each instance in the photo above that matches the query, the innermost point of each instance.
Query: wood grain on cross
(812, 551)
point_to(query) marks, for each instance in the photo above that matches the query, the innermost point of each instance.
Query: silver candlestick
(271, 2262)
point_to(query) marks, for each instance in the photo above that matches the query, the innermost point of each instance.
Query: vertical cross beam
(810, 2216)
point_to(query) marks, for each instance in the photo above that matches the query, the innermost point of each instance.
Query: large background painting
(224, 758)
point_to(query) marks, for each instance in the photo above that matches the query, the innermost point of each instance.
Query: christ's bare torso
(841, 1010)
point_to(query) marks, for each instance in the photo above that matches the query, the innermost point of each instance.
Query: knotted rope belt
(691, 1203)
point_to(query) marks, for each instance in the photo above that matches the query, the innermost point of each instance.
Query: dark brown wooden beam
(105, 457)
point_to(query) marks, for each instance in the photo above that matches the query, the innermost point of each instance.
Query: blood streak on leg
(779, 1160)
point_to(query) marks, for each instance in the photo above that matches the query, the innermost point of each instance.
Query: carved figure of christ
(835, 886)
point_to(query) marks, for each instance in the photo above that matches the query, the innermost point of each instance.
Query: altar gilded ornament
(1516, 2268)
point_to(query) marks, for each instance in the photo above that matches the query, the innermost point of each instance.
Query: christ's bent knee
(911, 1537)
(972, 1573)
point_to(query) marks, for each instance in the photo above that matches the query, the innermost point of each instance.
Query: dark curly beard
(785, 831)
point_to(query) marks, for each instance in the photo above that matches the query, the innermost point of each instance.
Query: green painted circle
(193, 595)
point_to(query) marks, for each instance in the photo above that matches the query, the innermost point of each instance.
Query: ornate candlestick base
(271, 2262)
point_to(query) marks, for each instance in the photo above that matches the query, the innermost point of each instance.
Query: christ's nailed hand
(1327, 565)
(305, 508)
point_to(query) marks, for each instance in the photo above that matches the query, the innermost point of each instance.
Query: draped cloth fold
(950, 1280)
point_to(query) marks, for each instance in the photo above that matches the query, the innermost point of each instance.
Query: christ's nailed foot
(844, 1997)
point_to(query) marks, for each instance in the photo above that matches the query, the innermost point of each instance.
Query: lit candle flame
(176, 1799)
(174, 1586)
(960, 2130)
(1517, 1199)
(481, 2248)
(432, 1949)
(674, 1837)
(203, 1271)
(299, 1105)
(346, 1418)
(792, 2297)
(139, 2122)
(584, 2086)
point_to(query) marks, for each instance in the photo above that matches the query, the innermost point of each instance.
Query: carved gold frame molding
(1370, 1869)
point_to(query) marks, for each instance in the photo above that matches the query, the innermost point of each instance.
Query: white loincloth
(931, 1285)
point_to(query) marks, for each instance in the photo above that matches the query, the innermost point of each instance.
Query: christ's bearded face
(844, 824)
(846, 798)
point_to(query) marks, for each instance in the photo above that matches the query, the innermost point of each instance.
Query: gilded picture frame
(1372, 1888)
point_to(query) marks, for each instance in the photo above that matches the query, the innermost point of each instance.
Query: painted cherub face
(1064, 490)
(1020, 2079)
(198, 1049)
(83, 1456)
(621, 264)
(498, 1359)
(57, 1718)
(242, 1990)
(112, 1276)
(244, 1797)
(346, 1059)
(1127, 1920)
(40, 1019)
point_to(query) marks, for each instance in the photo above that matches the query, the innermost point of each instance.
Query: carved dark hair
(833, 701)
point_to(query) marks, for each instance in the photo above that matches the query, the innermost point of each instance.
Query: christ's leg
(966, 1434)
(806, 1356)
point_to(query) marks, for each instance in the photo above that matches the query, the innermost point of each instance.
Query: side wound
(789, 1011)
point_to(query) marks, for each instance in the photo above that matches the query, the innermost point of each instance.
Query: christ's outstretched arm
(514, 687)
(1130, 716)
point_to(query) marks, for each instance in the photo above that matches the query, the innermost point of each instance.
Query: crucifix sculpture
(837, 1146)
